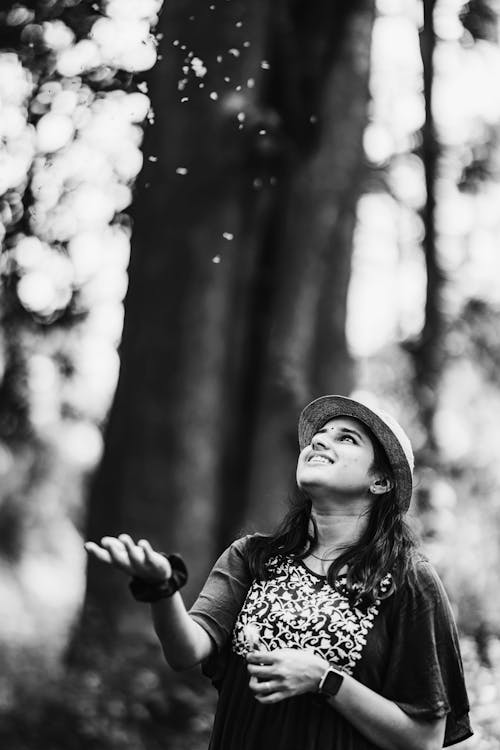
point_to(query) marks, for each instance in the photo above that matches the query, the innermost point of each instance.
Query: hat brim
(322, 409)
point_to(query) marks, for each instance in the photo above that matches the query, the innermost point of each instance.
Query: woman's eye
(349, 438)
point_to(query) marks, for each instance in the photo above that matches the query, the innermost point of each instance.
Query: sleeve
(424, 674)
(223, 594)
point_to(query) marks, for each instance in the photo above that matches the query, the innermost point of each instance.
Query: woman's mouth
(319, 459)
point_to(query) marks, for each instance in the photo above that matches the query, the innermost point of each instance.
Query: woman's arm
(286, 672)
(383, 722)
(184, 642)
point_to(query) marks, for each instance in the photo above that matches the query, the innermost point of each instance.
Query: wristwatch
(330, 683)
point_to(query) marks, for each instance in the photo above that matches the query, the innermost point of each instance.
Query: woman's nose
(319, 442)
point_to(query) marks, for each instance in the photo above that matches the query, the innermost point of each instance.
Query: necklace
(323, 559)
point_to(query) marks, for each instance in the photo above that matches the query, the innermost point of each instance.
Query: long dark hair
(387, 544)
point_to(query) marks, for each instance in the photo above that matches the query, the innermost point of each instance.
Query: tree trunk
(307, 353)
(218, 357)
(428, 352)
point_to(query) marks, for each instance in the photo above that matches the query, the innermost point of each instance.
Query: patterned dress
(404, 647)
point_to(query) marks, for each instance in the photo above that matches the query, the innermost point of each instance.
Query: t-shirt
(404, 647)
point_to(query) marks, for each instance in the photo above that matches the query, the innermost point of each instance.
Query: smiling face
(339, 462)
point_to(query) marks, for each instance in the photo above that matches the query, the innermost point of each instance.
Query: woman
(334, 633)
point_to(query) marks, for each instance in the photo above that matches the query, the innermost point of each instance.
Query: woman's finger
(119, 555)
(272, 698)
(135, 553)
(261, 657)
(260, 671)
(154, 560)
(98, 552)
(263, 687)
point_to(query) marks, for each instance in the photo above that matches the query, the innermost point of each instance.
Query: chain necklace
(323, 559)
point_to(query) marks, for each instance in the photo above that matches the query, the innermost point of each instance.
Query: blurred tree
(428, 350)
(69, 153)
(243, 224)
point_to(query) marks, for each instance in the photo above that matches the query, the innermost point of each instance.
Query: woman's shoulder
(424, 574)
(423, 585)
(243, 544)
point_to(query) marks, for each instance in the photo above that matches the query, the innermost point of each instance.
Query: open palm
(138, 560)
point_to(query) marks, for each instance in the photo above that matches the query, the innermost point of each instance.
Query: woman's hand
(138, 560)
(276, 675)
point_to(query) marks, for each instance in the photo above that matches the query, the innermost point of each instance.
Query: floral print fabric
(295, 608)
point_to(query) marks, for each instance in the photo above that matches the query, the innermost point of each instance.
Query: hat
(391, 435)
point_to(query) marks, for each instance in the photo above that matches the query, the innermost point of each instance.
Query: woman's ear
(380, 485)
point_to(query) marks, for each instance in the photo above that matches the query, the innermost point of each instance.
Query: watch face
(332, 683)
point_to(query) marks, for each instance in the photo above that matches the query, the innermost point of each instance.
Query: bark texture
(218, 357)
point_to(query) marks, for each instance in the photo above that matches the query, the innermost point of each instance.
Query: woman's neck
(338, 528)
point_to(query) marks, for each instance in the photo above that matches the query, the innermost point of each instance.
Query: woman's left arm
(286, 672)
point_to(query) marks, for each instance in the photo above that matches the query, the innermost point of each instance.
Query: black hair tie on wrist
(153, 591)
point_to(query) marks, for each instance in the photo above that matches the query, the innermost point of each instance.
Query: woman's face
(338, 460)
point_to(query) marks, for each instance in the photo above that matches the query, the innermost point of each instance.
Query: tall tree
(239, 271)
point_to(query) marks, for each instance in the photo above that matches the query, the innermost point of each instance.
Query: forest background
(210, 214)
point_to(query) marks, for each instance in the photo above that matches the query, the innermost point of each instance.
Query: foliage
(116, 703)
(70, 151)
(71, 116)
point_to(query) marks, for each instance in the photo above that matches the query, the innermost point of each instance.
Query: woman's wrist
(152, 591)
(330, 682)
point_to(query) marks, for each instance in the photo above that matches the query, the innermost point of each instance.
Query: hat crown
(399, 434)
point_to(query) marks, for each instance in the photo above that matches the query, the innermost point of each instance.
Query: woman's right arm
(184, 642)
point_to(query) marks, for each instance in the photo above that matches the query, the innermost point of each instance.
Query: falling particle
(185, 69)
(214, 95)
(313, 119)
(238, 24)
(191, 18)
(238, 88)
(227, 79)
(233, 51)
(147, 185)
(159, 57)
(273, 180)
(198, 67)
(257, 183)
(185, 99)
(160, 36)
(181, 170)
(143, 86)
(265, 65)
(152, 158)
(240, 126)
(176, 42)
(211, 7)
(262, 132)
(251, 83)
(228, 235)
(246, 44)
(216, 259)
(201, 85)
(219, 58)
(181, 85)
(189, 54)
(183, 47)
(241, 116)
